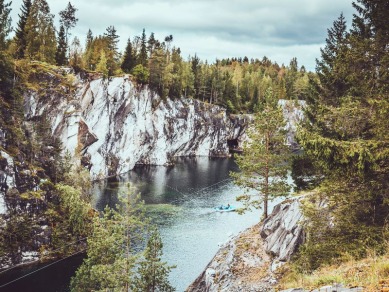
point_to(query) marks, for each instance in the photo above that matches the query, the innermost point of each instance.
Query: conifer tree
(5, 23)
(60, 56)
(129, 60)
(114, 235)
(330, 68)
(152, 274)
(68, 20)
(142, 58)
(347, 140)
(264, 162)
(20, 33)
(111, 51)
(40, 38)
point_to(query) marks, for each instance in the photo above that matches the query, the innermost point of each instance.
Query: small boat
(223, 208)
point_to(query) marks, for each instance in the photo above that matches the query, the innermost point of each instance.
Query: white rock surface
(132, 126)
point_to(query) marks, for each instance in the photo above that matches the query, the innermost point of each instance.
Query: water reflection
(180, 201)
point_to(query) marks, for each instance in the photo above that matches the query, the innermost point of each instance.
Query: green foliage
(264, 163)
(129, 59)
(20, 33)
(5, 23)
(40, 38)
(141, 74)
(114, 235)
(68, 20)
(152, 273)
(60, 55)
(345, 135)
(102, 64)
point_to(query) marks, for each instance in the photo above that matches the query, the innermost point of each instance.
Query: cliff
(110, 125)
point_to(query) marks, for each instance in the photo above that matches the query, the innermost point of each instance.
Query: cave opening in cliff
(233, 146)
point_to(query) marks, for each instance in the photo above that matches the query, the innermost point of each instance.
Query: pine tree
(40, 38)
(112, 54)
(151, 44)
(152, 274)
(76, 55)
(20, 33)
(114, 235)
(60, 56)
(264, 163)
(142, 58)
(129, 60)
(5, 23)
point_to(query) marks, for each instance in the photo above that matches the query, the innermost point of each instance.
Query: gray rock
(282, 231)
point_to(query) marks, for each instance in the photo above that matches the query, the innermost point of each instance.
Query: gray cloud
(279, 29)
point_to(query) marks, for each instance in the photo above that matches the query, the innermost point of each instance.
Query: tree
(40, 38)
(330, 68)
(152, 274)
(114, 235)
(5, 23)
(68, 20)
(129, 59)
(111, 52)
(60, 56)
(346, 137)
(142, 57)
(141, 74)
(102, 65)
(75, 54)
(264, 163)
(20, 33)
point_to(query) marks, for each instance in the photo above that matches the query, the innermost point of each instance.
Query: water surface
(180, 200)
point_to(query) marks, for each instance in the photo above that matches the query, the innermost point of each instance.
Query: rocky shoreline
(249, 261)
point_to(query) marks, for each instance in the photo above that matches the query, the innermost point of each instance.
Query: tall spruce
(20, 32)
(60, 55)
(112, 53)
(348, 142)
(264, 163)
(330, 68)
(129, 59)
(142, 57)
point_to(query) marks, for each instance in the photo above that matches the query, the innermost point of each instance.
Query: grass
(371, 273)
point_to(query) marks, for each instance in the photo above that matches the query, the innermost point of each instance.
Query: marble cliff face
(111, 125)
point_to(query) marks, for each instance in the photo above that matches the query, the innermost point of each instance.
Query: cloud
(216, 28)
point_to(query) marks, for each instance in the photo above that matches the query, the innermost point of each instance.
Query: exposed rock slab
(116, 125)
(282, 231)
(240, 265)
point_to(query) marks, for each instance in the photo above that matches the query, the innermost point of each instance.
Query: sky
(277, 29)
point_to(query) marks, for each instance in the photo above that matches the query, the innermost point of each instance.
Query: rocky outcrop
(249, 261)
(282, 231)
(239, 265)
(113, 125)
(7, 177)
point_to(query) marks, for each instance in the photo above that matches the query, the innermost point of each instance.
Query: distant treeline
(237, 83)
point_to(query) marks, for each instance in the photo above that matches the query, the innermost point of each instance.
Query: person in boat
(228, 207)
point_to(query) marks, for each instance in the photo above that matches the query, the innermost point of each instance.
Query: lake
(180, 201)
